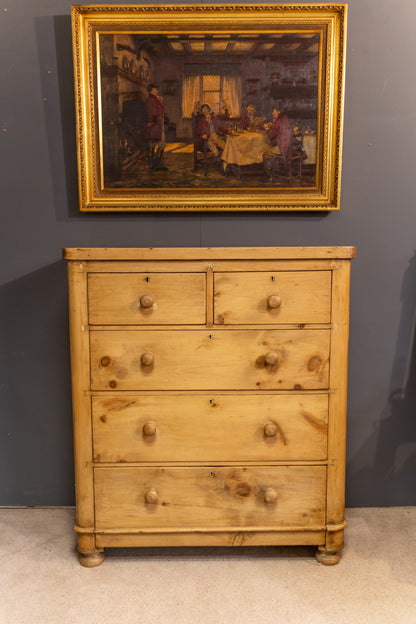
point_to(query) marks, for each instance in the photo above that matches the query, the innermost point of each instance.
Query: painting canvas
(209, 108)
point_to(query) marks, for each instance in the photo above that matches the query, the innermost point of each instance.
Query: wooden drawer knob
(151, 496)
(146, 301)
(271, 358)
(274, 301)
(147, 359)
(149, 429)
(270, 496)
(270, 430)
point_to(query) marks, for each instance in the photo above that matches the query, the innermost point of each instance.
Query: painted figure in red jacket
(155, 128)
(280, 135)
(209, 128)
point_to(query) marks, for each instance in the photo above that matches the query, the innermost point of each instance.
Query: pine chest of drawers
(209, 396)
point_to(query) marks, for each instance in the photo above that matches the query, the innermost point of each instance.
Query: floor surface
(41, 581)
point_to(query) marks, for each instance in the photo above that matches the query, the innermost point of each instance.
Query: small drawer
(209, 428)
(198, 497)
(280, 297)
(222, 359)
(147, 298)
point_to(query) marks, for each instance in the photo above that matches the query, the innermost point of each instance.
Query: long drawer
(265, 297)
(283, 496)
(209, 428)
(210, 359)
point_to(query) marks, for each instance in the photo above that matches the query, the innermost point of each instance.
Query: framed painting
(209, 108)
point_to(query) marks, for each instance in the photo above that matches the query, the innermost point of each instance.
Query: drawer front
(147, 298)
(216, 428)
(280, 297)
(278, 496)
(209, 360)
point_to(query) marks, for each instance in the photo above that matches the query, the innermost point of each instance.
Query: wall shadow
(36, 447)
(392, 474)
(62, 30)
(54, 46)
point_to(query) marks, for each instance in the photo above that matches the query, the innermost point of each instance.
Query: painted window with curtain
(221, 91)
(190, 94)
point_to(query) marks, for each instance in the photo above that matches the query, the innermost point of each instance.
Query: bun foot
(91, 559)
(327, 557)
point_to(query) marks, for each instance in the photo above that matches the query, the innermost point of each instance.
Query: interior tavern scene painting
(209, 110)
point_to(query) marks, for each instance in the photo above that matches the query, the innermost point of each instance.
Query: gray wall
(39, 216)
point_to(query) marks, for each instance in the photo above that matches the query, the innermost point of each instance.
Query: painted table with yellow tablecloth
(246, 148)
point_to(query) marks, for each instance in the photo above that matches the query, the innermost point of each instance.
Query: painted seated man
(248, 118)
(249, 121)
(280, 134)
(209, 128)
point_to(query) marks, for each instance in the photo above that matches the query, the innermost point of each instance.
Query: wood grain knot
(242, 489)
(314, 363)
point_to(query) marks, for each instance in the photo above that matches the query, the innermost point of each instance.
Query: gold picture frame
(163, 94)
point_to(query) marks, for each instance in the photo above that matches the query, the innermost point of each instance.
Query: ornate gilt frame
(327, 21)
